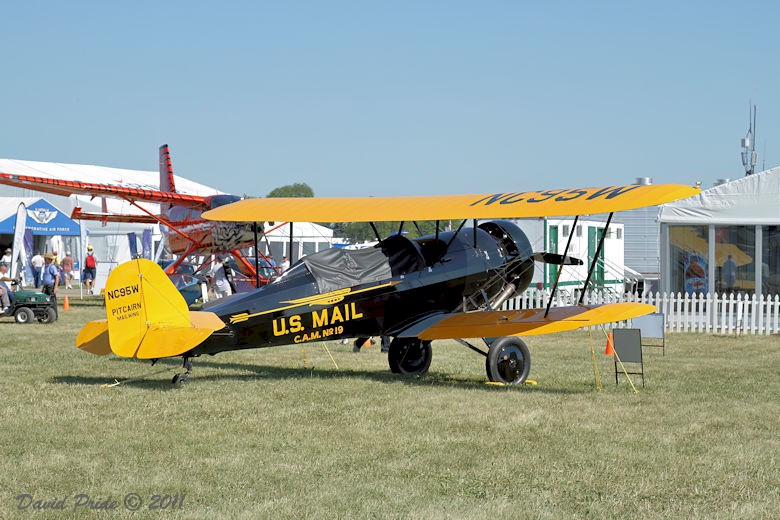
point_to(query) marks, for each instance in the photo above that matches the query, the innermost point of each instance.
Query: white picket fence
(711, 313)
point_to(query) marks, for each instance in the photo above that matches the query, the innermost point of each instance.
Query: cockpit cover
(338, 268)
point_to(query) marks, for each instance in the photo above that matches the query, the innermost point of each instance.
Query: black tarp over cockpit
(337, 268)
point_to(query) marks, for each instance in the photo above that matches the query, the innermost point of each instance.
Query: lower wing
(526, 322)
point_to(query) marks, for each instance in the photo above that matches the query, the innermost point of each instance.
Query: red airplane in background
(187, 232)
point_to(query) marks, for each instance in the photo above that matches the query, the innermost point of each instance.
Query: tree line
(355, 232)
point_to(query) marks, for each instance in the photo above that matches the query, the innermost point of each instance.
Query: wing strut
(257, 257)
(376, 232)
(595, 258)
(558, 275)
(455, 235)
(161, 220)
(292, 260)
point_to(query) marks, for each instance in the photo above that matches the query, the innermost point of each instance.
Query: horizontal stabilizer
(146, 316)
(526, 322)
(553, 258)
(78, 214)
(93, 337)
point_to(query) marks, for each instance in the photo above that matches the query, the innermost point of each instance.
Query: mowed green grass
(261, 434)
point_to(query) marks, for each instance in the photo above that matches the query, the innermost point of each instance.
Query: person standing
(51, 276)
(6, 259)
(730, 273)
(90, 269)
(37, 266)
(5, 291)
(67, 270)
(284, 266)
(220, 282)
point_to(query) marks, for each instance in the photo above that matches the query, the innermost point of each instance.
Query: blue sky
(394, 98)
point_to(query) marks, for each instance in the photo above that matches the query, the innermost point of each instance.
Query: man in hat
(51, 275)
(90, 269)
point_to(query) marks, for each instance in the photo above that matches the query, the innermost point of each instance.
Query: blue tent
(42, 219)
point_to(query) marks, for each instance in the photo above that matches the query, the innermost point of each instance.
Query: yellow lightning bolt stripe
(319, 299)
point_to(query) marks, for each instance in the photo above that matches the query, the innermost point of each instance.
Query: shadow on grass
(251, 372)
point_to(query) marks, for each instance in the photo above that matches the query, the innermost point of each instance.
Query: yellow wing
(550, 203)
(527, 322)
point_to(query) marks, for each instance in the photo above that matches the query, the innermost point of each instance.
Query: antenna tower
(749, 155)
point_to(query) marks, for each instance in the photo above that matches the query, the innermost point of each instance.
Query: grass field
(258, 434)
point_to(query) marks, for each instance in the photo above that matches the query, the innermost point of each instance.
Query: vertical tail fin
(167, 182)
(146, 317)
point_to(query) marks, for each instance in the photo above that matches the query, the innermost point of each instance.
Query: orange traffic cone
(66, 304)
(610, 351)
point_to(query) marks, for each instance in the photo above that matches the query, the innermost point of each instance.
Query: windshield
(220, 200)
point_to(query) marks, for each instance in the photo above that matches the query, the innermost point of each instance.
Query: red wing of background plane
(66, 188)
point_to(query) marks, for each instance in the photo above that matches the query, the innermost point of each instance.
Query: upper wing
(487, 324)
(550, 203)
(69, 187)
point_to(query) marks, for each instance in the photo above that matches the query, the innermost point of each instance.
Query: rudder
(146, 316)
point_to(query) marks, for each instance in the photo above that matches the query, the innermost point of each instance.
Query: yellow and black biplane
(448, 285)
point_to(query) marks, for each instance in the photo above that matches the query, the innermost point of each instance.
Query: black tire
(49, 317)
(409, 356)
(180, 378)
(24, 315)
(508, 361)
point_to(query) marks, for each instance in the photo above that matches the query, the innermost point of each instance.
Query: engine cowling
(519, 267)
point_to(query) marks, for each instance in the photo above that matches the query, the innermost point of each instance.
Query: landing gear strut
(183, 377)
(409, 356)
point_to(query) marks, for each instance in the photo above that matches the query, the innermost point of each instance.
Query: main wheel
(409, 356)
(50, 317)
(508, 361)
(24, 315)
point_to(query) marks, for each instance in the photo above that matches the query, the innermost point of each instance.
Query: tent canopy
(42, 218)
(752, 200)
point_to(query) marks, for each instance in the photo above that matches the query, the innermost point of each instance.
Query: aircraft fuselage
(426, 277)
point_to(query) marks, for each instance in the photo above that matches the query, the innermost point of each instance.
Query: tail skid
(146, 316)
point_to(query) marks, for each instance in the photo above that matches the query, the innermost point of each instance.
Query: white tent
(308, 238)
(732, 230)
(751, 200)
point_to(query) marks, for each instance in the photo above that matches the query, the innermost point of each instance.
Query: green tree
(361, 231)
(299, 189)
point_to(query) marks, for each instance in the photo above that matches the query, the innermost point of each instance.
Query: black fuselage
(381, 291)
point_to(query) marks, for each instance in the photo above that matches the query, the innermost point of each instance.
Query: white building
(551, 235)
